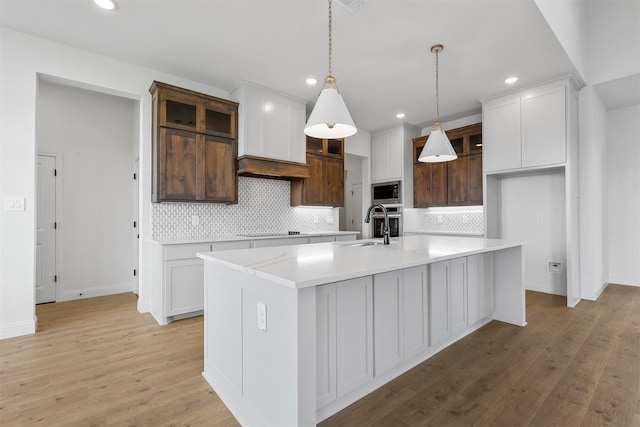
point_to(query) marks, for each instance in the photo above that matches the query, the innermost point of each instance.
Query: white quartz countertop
(254, 236)
(300, 266)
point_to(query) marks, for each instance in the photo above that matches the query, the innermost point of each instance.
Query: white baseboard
(17, 329)
(546, 289)
(95, 292)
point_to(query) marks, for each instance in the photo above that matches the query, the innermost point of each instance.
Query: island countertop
(301, 266)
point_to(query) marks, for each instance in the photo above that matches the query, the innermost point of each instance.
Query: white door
(354, 221)
(46, 229)
(136, 227)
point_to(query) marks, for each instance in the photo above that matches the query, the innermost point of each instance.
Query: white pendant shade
(438, 148)
(330, 117)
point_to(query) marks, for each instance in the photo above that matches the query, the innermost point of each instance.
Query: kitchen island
(296, 333)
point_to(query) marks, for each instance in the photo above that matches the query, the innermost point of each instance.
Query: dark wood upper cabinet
(325, 187)
(194, 146)
(454, 183)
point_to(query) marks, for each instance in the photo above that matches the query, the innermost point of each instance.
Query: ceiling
(381, 51)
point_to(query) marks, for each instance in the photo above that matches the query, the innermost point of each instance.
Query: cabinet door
(184, 286)
(219, 119)
(457, 181)
(314, 187)
(458, 287)
(415, 311)
(544, 128)
(501, 135)
(354, 343)
(479, 286)
(178, 110)
(387, 321)
(474, 180)
(439, 302)
(386, 157)
(219, 164)
(177, 172)
(420, 186)
(325, 345)
(334, 187)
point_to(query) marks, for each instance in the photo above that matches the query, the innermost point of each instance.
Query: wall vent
(351, 5)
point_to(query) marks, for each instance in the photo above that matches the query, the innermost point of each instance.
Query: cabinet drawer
(225, 246)
(190, 250)
(266, 243)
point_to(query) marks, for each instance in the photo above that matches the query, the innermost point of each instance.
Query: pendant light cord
(437, 89)
(330, 38)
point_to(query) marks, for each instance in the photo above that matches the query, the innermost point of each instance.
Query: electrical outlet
(440, 219)
(195, 220)
(555, 267)
(315, 219)
(262, 316)
(465, 219)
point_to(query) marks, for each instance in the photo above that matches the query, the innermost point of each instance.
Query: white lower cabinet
(354, 334)
(184, 286)
(325, 344)
(400, 317)
(415, 311)
(479, 286)
(344, 338)
(386, 323)
(447, 299)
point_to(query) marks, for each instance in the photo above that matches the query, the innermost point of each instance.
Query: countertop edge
(236, 238)
(330, 278)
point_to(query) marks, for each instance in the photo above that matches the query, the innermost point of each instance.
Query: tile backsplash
(454, 220)
(263, 207)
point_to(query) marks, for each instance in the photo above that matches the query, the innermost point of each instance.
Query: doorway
(95, 134)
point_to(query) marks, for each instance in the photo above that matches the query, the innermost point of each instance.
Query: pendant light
(330, 117)
(438, 147)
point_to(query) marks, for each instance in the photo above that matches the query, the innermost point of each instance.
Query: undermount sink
(365, 244)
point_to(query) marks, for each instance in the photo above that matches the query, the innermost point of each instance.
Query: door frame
(59, 222)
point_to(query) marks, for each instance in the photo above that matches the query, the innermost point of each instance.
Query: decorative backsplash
(455, 220)
(263, 207)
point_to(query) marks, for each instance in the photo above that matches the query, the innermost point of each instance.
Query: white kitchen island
(294, 334)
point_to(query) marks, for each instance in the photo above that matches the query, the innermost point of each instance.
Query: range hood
(264, 167)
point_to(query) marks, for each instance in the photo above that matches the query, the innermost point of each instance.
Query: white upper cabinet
(270, 124)
(527, 129)
(544, 132)
(386, 156)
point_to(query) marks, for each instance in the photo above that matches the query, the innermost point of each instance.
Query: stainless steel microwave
(387, 193)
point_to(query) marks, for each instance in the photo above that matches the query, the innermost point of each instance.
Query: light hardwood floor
(98, 362)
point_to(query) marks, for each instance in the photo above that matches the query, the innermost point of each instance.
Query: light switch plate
(14, 203)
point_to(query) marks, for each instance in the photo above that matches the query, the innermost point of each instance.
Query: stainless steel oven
(395, 221)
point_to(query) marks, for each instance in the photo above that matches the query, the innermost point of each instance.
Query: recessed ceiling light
(511, 80)
(311, 81)
(105, 4)
(400, 115)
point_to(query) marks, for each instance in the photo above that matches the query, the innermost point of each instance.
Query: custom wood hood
(263, 167)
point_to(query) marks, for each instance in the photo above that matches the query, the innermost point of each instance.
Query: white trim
(118, 288)
(17, 329)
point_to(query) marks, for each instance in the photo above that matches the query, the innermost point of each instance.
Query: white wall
(592, 158)
(568, 21)
(360, 145)
(623, 201)
(533, 211)
(614, 34)
(23, 57)
(95, 134)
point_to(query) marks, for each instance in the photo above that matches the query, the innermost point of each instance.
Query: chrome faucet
(385, 230)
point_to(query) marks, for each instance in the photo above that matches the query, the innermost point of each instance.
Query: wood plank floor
(98, 362)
